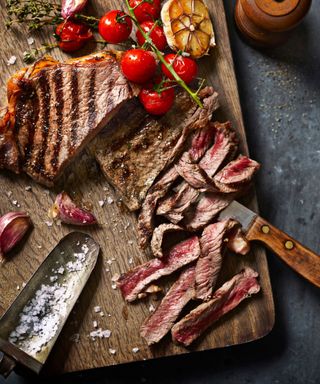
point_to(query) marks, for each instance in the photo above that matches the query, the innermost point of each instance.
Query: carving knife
(295, 255)
(33, 322)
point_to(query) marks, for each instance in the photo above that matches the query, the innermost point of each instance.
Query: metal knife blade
(33, 322)
(240, 213)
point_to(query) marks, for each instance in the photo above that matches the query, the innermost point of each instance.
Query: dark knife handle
(298, 257)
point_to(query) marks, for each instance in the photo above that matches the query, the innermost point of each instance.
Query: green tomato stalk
(194, 95)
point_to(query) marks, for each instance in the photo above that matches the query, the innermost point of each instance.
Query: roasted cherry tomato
(115, 27)
(154, 101)
(185, 67)
(138, 65)
(157, 35)
(72, 35)
(147, 11)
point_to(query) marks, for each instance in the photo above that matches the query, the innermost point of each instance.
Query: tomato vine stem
(194, 95)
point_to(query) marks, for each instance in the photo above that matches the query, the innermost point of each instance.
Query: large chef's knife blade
(31, 325)
(297, 256)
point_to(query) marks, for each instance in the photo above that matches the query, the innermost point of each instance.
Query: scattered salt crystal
(112, 351)
(130, 261)
(105, 189)
(107, 270)
(95, 324)
(49, 223)
(100, 333)
(127, 226)
(113, 259)
(115, 277)
(60, 270)
(23, 284)
(109, 200)
(130, 242)
(9, 193)
(18, 287)
(97, 309)
(101, 314)
(30, 40)
(12, 60)
(151, 308)
(114, 286)
(101, 203)
(15, 202)
(109, 261)
(39, 246)
(28, 188)
(135, 349)
(53, 278)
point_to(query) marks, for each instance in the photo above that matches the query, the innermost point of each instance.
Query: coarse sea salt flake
(135, 349)
(12, 60)
(112, 351)
(101, 203)
(30, 40)
(97, 309)
(109, 200)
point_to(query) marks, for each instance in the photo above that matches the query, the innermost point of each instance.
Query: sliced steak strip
(55, 109)
(225, 146)
(209, 263)
(198, 143)
(226, 298)
(134, 282)
(235, 174)
(158, 235)
(157, 325)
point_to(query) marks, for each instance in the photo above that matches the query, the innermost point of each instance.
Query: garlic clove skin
(13, 226)
(68, 212)
(70, 7)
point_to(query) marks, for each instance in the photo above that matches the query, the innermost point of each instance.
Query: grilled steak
(158, 235)
(225, 145)
(231, 180)
(199, 142)
(157, 325)
(226, 298)
(55, 109)
(136, 280)
(209, 263)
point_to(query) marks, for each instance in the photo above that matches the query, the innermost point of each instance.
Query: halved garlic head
(188, 27)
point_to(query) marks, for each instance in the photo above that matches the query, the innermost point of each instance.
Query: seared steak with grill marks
(157, 325)
(139, 146)
(55, 109)
(226, 298)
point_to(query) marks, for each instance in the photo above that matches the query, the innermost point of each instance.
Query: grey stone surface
(280, 95)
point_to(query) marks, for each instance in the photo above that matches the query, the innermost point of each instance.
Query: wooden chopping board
(253, 319)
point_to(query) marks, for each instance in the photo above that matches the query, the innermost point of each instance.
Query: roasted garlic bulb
(188, 27)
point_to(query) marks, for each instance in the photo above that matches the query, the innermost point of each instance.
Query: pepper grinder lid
(267, 22)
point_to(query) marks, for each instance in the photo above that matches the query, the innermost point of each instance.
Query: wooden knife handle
(298, 257)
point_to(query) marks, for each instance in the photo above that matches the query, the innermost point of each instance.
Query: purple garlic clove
(71, 7)
(68, 212)
(13, 226)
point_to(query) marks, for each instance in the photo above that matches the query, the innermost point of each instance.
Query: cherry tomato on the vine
(72, 35)
(157, 35)
(147, 11)
(185, 67)
(138, 65)
(115, 27)
(156, 102)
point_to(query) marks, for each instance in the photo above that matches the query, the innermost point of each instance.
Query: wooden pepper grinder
(268, 22)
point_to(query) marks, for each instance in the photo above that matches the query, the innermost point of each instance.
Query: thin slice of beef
(158, 237)
(235, 174)
(232, 179)
(55, 109)
(226, 298)
(135, 281)
(224, 147)
(158, 324)
(203, 212)
(210, 261)
(197, 144)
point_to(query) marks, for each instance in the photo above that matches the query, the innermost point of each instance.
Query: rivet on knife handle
(301, 259)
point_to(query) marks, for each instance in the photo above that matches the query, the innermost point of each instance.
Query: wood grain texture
(117, 237)
(298, 257)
